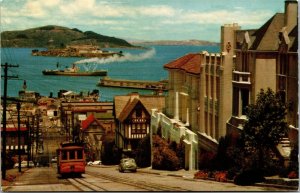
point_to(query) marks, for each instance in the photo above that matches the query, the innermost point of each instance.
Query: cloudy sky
(140, 19)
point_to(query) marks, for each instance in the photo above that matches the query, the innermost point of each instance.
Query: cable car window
(79, 154)
(64, 155)
(72, 154)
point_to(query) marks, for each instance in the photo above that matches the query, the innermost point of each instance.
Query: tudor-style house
(133, 118)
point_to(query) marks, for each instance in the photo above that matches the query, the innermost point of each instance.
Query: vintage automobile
(127, 164)
(24, 164)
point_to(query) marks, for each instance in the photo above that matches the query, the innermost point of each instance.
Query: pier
(138, 84)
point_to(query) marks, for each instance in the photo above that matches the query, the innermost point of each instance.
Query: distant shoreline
(174, 43)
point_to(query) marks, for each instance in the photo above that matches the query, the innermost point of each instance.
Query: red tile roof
(190, 63)
(89, 120)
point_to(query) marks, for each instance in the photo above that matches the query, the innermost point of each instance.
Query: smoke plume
(116, 58)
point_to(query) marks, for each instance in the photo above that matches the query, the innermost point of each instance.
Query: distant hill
(52, 36)
(174, 42)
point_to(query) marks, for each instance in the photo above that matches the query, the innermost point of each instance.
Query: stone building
(209, 91)
(267, 58)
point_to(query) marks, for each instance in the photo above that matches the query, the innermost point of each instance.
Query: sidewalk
(180, 173)
(275, 181)
(12, 176)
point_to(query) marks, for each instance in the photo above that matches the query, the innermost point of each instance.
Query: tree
(266, 124)
(143, 152)
(163, 157)
(109, 154)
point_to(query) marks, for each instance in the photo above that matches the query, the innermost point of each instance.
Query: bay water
(136, 64)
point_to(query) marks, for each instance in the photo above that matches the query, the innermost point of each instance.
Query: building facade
(267, 58)
(199, 99)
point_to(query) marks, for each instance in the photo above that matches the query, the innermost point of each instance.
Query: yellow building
(208, 92)
(199, 99)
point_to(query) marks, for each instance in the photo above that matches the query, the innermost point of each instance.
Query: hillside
(52, 36)
(175, 42)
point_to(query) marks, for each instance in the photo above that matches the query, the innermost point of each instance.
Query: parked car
(92, 163)
(54, 160)
(24, 164)
(89, 163)
(97, 162)
(127, 164)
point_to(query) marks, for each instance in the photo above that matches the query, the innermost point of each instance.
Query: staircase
(284, 148)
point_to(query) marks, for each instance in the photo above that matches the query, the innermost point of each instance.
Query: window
(217, 87)
(79, 154)
(245, 99)
(72, 154)
(206, 83)
(133, 130)
(235, 101)
(212, 87)
(64, 155)
(205, 121)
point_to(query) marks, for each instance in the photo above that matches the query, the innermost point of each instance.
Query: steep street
(108, 178)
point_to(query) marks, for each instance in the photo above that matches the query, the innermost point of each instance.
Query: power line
(6, 77)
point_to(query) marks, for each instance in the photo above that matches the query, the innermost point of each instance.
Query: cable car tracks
(83, 184)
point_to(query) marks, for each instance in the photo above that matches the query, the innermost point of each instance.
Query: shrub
(232, 173)
(163, 157)
(206, 160)
(143, 152)
(201, 174)
(292, 175)
(249, 177)
(221, 176)
(109, 154)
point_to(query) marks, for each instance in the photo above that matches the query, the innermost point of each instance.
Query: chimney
(228, 39)
(290, 14)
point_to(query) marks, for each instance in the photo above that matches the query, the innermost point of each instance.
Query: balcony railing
(241, 77)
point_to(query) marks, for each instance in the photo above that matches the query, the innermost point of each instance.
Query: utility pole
(3, 165)
(19, 135)
(28, 140)
(37, 132)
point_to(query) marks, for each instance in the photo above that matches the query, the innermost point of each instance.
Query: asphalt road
(108, 178)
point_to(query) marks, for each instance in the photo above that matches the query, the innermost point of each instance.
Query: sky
(140, 19)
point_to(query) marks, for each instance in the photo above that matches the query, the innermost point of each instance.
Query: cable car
(71, 158)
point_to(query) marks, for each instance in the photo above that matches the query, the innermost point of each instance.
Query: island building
(208, 91)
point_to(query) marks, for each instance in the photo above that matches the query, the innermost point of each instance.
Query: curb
(277, 186)
(230, 181)
(149, 172)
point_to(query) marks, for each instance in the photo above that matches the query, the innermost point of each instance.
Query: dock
(138, 84)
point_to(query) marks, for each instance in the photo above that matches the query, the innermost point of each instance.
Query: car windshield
(128, 161)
